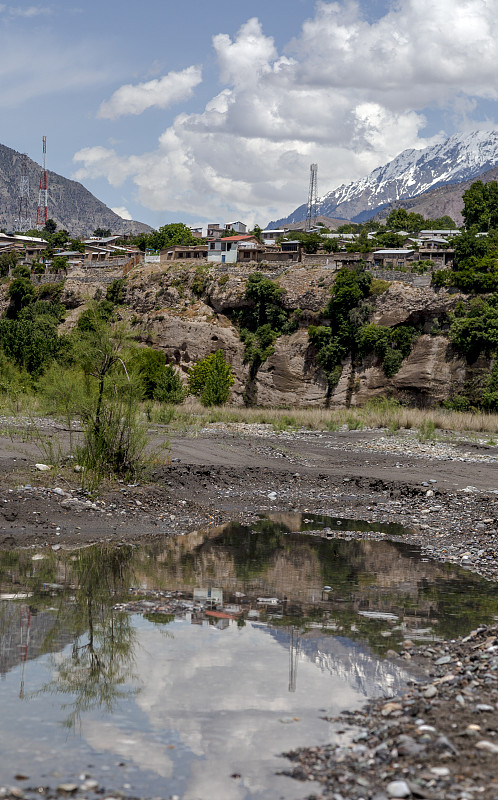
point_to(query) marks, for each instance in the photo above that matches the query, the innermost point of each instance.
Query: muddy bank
(439, 740)
(445, 491)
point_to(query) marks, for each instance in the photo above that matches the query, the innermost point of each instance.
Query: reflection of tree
(101, 657)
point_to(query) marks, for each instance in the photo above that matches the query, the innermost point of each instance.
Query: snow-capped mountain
(461, 157)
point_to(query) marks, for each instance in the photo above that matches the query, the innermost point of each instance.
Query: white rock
(440, 772)
(490, 747)
(398, 789)
(43, 467)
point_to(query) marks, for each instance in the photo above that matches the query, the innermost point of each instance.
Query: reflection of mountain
(349, 661)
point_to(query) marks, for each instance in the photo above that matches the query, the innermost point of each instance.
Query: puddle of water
(313, 522)
(110, 668)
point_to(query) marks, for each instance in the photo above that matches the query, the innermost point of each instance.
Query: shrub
(116, 292)
(21, 271)
(210, 379)
(392, 362)
(169, 388)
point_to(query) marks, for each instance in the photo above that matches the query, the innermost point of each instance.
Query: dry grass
(376, 414)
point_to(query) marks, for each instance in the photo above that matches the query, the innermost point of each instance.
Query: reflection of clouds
(106, 737)
(224, 695)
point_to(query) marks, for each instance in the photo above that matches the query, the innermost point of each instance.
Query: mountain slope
(460, 158)
(440, 201)
(71, 205)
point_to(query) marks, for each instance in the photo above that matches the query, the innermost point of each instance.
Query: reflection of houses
(209, 597)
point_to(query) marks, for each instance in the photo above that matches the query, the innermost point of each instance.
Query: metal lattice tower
(23, 221)
(42, 210)
(293, 658)
(312, 210)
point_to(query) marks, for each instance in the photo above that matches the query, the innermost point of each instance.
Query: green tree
(21, 271)
(169, 388)
(210, 379)
(116, 292)
(21, 293)
(481, 206)
(167, 236)
(50, 226)
(8, 262)
(114, 437)
(59, 264)
(102, 233)
(257, 231)
(158, 379)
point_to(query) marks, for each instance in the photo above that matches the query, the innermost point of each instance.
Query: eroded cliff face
(188, 314)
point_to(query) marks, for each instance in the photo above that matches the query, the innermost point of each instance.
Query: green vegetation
(399, 219)
(166, 236)
(263, 320)
(345, 310)
(210, 379)
(391, 345)
(348, 333)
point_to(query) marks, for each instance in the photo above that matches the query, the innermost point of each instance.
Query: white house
(238, 227)
(225, 250)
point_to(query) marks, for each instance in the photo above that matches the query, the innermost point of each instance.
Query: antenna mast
(42, 211)
(23, 221)
(311, 212)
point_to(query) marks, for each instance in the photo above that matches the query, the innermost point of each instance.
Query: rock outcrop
(189, 314)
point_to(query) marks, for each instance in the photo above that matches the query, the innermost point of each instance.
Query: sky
(213, 112)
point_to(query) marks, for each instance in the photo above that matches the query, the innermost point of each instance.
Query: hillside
(441, 201)
(462, 157)
(71, 205)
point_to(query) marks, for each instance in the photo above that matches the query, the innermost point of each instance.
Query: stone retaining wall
(411, 278)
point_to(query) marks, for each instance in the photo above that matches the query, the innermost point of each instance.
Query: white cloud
(346, 93)
(160, 92)
(122, 212)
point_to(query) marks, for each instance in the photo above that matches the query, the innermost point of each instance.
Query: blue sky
(214, 111)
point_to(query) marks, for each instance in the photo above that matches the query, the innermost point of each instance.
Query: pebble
(398, 789)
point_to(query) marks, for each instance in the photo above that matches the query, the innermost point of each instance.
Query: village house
(214, 231)
(393, 258)
(238, 227)
(226, 249)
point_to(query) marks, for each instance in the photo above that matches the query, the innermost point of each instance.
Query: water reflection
(283, 624)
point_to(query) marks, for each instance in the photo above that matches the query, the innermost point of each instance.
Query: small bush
(169, 388)
(378, 287)
(210, 379)
(457, 403)
(427, 431)
(116, 292)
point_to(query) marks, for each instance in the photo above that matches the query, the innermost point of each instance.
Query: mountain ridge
(411, 173)
(70, 204)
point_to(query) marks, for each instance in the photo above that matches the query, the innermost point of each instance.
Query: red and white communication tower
(42, 210)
